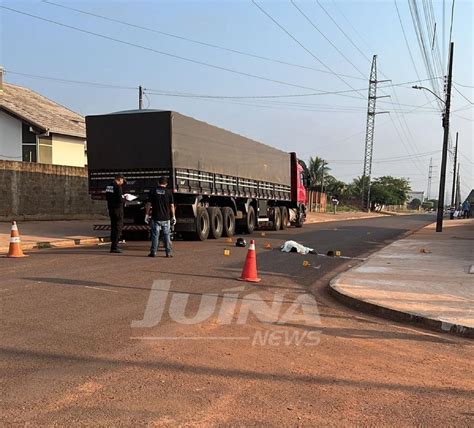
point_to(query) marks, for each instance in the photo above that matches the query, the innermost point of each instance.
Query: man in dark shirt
(114, 196)
(161, 206)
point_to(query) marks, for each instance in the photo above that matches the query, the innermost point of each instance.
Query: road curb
(60, 243)
(396, 315)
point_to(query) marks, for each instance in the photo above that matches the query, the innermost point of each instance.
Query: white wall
(68, 151)
(10, 138)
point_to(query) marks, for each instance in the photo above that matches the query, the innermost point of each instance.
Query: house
(36, 129)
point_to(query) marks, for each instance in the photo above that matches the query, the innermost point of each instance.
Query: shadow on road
(234, 373)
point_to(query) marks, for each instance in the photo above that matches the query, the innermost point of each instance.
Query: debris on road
(294, 247)
(241, 242)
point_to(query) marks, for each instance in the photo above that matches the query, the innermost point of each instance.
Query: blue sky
(330, 126)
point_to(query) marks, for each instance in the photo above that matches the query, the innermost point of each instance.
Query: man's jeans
(156, 226)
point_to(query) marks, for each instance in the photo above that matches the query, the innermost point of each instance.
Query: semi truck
(223, 183)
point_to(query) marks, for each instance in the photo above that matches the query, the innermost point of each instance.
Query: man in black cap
(161, 207)
(115, 202)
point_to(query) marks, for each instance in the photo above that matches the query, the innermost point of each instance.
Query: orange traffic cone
(249, 272)
(15, 243)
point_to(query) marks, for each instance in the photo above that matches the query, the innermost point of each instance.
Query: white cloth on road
(288, 246)
(129, 197)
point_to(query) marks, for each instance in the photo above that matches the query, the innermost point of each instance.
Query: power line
(325, 37)
(462, 117)
(78, 82)
(395, 102)
(388, 159)
(192, 95)
(462, 95)
(342, 140)
(408, 45)
(135, 45)
(464, 86)
(422, 44)
(342, 31)
(431, 28)
(198, 42)
(353, 28)
(465, 157)
(300, 44)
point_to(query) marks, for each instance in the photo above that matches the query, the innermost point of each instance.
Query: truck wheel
(202, 224)
(228, 217)
(284, 217)
(276, 218)
(250, 221)
(215, 222)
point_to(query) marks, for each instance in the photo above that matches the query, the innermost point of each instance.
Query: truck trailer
(222, 182)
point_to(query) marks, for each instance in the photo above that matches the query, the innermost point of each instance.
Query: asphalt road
(83, 343)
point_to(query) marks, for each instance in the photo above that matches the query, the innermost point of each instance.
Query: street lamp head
(416, 87)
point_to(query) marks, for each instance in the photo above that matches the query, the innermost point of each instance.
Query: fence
(33, 191)
(316, 202)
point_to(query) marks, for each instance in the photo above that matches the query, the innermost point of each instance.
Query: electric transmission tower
(369, 133)
(430, 177)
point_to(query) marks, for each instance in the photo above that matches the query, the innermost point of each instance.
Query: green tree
(355, 188)
(389, 190)
(334, 187)
(414, 204)
(317, 169)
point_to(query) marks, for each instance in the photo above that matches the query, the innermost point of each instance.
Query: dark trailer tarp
(164, 139)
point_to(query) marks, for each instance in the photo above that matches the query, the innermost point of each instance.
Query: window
(29, 153)
(29, 149)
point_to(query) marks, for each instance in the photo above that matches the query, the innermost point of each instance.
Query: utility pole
(140, 97)
(369, 133)
(430, 176)
(457, 200)
(323, 165)
(453, 193)
(442, 179)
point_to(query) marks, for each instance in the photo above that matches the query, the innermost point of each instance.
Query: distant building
(415, 195)
(36, 129)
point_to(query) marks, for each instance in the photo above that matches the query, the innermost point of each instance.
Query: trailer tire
(276, 218)
(250, 221)
(284, 217)
(228, 219)
(202, 224)
(216, 222)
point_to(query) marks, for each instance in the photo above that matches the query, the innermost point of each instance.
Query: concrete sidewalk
(312, 218)
(423, 278)
(47, 234)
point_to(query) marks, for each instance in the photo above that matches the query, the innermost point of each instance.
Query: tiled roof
(41, 112)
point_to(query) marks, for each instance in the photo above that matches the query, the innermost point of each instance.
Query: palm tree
(358, 185)
(318, 169)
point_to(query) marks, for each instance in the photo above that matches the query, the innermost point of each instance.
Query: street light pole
(444, 159)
